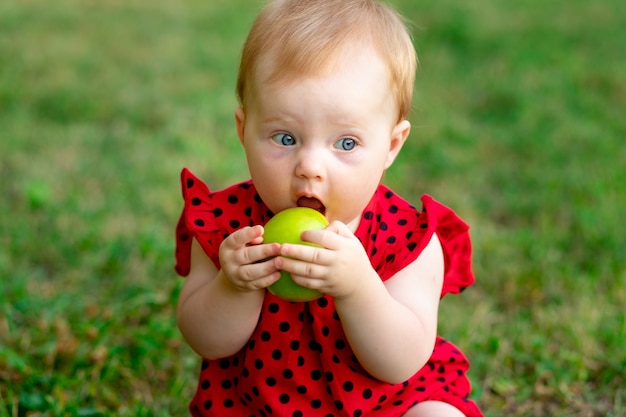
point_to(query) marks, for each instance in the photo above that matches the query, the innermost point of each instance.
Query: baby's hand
(337, 268)
(246, 262)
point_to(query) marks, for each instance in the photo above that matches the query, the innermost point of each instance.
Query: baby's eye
(345, 144)
(284, 139)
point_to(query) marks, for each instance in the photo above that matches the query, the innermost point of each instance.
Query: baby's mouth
(311, 202)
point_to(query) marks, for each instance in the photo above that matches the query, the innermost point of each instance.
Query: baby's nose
(310, 165)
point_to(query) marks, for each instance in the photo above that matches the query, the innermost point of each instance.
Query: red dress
(298, 362)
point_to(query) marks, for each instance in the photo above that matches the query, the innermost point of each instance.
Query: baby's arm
(218, 309)
(392, 326)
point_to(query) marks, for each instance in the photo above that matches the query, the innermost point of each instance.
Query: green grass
(517, 125)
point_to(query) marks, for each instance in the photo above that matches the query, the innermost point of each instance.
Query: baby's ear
(240, 122)
(399, 134)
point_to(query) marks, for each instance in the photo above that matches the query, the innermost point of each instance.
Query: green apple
(286, 227)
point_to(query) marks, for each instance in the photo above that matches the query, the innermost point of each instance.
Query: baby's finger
(326, 238)
(243, 236)
(259, 253)
(310, 254)
(300, 268)
(259, 275)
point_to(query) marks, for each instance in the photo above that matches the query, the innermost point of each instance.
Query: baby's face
(325, 141)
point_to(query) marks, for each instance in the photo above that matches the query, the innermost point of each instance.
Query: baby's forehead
(275, 66)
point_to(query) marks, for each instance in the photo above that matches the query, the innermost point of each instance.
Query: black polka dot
(266, 336)
(232, 199)
(273, 308)
(228, 403)
(284, 398)
(271, 382)
(196, 201)
(199, 222)
(357, 413)
(218, 212)
(207, 405)
(322, 302)
(348, 386)
(315, 346)
(258, 364)
(227, 384)
(391, 239)
(287, 374)
(393, 209)
(235, 224)
(190, 182)
(277, 354)
(316, 375)
(368, 215)
(301, 389)
(367, 393)
(224, 363)
(206, 384)
(316, 404)
(284, 326)
(294, 345)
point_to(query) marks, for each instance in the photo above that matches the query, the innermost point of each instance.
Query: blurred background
(518, 125)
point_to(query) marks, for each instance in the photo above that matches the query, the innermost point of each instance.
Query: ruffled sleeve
(196, 221)
(210, 217)
(394, 233)
(455, 240)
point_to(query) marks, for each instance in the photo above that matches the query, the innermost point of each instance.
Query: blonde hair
(304, 37)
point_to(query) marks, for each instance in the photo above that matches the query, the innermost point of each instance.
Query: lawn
(518, 125)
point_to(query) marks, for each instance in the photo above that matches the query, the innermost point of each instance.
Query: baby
(325, 88)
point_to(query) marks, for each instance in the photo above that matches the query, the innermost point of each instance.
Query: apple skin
(286, 227)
